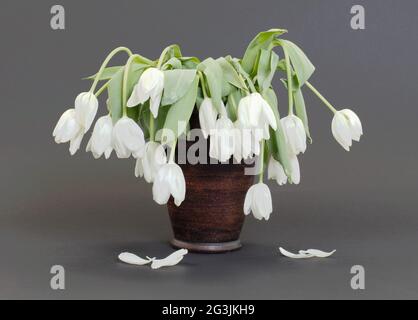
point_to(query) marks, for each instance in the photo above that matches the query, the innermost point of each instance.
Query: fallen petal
(131, 258)
(169, 261)
(300, 255)
(318, 253)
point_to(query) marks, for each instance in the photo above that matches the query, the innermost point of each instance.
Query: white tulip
(276, 171)
(150, 86)
(128, 138)
(346, 126)
(207, 116)
(69, 130)
(254, 112)
(101, 139)
(294, 165)
(153, 159)
(222, 139)
(295, 133)
(86, 105)
(169, 181)
(258, 201)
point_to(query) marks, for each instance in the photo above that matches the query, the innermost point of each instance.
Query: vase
(211, 217)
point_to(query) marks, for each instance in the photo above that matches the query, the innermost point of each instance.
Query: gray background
(80, 213)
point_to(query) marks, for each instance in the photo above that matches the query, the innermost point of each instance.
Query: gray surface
(80, 213)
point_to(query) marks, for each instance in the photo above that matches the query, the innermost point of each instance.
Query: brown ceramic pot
(211, 217)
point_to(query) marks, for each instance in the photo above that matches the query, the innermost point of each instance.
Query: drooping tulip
(346, 126)
(85, 106)
(295, 133)
(150, 86)
(169, 181)
(258, 201)
(222, 139)
(255, 113)
(69, 130)
(153, 159)
(101, 139)
(276, 172)
(207, 116)
(128, 138)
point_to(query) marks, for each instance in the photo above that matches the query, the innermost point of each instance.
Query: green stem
(105, 63)
(202, 82)
(321, 97)
(261, 159)
(173, 151)
(125, 84)
(102, 88)
(162, 56)
(151, 128)
(289, 80)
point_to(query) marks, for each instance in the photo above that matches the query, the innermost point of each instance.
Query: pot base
(207, 247)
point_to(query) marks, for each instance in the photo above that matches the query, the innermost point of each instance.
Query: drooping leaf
(115, 95)
(300, 111)
(302, 66)
(107, 73)
(230, 75)
(214, 79)
(267, 66)
(277, 142)
(176, 83)
(232, 104)
(179, 115)
(173, 63)
(189, 62)
(262, 41)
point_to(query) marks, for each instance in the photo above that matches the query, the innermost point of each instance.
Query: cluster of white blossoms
(240, 131)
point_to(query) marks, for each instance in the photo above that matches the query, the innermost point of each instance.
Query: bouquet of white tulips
(150, 103)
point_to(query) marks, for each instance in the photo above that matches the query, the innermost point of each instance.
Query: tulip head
(295, 133)
(101, 139)
(150, 86)
(69, 130)
(346, 126)
(255, 112)
(86, 105)
(207, 116)
(169, 181)
(276, 172)
(222, 140)
(258, 201)
(153, 159)
(128, 138)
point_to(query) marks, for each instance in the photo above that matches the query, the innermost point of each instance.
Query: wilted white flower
(255, 113)
(276, 171)
(258, 201)
(101, 139)
(346, 126)
(169, 181)
(295, 133)
(128, 138)
(86, 105)
(222, 139)
(150, 86)
(153, 159)
(207, 116)
(68, 129)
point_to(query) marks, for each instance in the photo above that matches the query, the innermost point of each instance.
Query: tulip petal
(169, 261)
(318, 253)
(293, 255)
(131, 258)
(341, 130)
(76, 142)
(86, 105)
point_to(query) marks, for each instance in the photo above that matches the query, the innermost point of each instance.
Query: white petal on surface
(318, 253)
(294, 255)
(131, 258)
(169, 261)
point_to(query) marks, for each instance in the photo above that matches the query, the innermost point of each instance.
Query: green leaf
(300, 111)
(277, 142)
(214, 79)
(115, 95)
(176, 84)
(232, 104)
(262, 41)
(267, 67)
(107, 73)
(173, 63)
(230, 75)
(179, 115)
(189, 62)
(302, 66)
